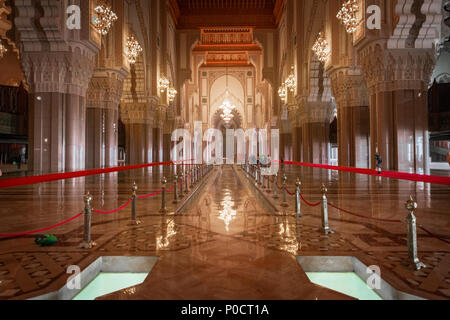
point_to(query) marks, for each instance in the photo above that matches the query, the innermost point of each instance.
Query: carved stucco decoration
(214, 75)
(391, 70)
(348, 87)
(105, 89)
(53, 60)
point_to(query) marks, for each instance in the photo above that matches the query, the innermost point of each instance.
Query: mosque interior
(241, 145)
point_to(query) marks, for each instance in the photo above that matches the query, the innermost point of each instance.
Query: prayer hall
(224, 150)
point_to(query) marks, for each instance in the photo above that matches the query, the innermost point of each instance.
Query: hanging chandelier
(347, 15)
(163, 84)
(321, 48)
(3, 50)
(133, 49)
(105, 18)
(171, 94)
(282, 92)
(226, 107)
(291, 81)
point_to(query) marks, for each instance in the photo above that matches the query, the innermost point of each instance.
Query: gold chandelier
(282, 92)
(291, 81)
(347, 15)
(105, 18)
(171, 94)
(321, 48)
(133, 49)
(3, 50)
(164, 84)
(290, 84)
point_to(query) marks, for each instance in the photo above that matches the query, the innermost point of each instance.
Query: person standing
(379, 162)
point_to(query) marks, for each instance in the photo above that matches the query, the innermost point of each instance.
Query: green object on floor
(45, 240)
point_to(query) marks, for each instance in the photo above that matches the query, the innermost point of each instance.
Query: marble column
(57, 66)
(398, 106)
(58, 85)
(103, 98)
(315, 118)
(74, 133)
(157, 144)
(353, 114)
(135, 135)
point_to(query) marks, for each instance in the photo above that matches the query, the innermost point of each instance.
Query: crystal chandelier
(3, 50)
(171, 94)
(282, 92)
(347, 15)
(291, 81)
(226, 107)
(133, 49)
(105, 18)
(163, 84)
(321, 48)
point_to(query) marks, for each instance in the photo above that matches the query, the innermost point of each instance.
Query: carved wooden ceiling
(193, 14)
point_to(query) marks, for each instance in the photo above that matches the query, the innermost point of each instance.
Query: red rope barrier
(113, 211)
(385, 174)
(289, 193)
(433, 235)
(14, 235)
(15, 182)
(171, 189)
(360, 216)
(308, 203)
(150, 195)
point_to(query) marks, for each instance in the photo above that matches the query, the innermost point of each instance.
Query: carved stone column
(315, 120)
(352, 100)
(397, 80)
(397, 62)
(58, 66)
(104, 93)
(138, 119)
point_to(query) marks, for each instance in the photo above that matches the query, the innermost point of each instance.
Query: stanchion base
(419, 265)
(284, 205)
(87, 245)
(135, 222)
(276, 197)
(327, 231)
(163, 211)
(176, 201)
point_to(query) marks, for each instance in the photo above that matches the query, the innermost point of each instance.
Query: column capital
(396, 69)
(105, 88)
(348, 86)
(316, 112)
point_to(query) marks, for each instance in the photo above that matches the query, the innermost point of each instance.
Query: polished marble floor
(226, 243)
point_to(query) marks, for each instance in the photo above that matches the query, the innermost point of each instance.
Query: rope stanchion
(15, 235)
(360, 216)
(134, 197)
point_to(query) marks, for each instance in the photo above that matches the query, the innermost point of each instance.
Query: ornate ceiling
(192, 14)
